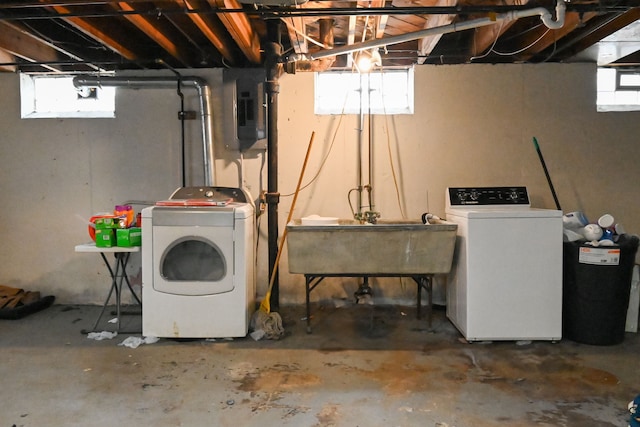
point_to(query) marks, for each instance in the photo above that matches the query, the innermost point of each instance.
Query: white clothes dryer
(198, 276)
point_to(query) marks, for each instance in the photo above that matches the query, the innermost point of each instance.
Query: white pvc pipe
(545, 16)
(204, 97)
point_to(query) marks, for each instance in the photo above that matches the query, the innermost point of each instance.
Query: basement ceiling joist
(85, 35)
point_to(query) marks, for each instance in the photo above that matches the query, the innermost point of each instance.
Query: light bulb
(367, 59)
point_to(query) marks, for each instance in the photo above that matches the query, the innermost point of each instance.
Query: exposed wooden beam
(351, 37)
(380, 20)
(17, 41)
(204, 24)
(297, 29)
(485, 37)
(97, 34)
(151, 29)
(540, 39)
(599, 28)
(7, 58)
(381, 24)
(240, 29)
(22, 44)
(427, 44)
(631, 60)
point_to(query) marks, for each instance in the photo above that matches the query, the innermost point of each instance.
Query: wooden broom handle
(293, 203)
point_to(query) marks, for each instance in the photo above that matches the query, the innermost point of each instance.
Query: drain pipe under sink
(198, 83)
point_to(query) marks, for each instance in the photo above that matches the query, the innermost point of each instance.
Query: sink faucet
(367, 216)
(371, 217)
(361, 216)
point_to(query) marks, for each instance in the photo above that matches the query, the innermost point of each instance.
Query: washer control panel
(487, 196)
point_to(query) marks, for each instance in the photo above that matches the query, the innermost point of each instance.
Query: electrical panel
(244, 89)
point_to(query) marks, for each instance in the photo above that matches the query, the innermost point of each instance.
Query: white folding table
(118, 274)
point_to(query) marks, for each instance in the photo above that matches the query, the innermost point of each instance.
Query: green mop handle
(546, 173)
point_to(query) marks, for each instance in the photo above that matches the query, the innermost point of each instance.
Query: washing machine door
(194, 259)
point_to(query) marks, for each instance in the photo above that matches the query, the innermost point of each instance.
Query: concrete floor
(363, 365)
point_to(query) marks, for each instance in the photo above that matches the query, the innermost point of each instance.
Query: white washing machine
(506, 281)
(198, 277)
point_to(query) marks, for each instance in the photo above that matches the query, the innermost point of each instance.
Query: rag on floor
(269, 323)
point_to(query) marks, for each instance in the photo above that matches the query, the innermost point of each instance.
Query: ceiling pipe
(204, 97)
(287, 12)
(545, 16)
(327, 40)
(458, 10)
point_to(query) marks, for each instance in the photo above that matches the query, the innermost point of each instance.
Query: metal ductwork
(204, 97)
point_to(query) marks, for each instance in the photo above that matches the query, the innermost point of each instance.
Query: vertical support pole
(359, 213)
(273, 51)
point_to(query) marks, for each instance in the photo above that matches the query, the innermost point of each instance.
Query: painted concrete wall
(473, 125)
(57, 173)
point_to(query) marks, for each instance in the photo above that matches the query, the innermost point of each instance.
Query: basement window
(55, 96)
(628, 80)
(618, 90)
(379, 92)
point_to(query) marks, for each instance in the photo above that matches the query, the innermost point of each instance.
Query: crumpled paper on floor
(104, 335)
(135, 342)
(257, 335)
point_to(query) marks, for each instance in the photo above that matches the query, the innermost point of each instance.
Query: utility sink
(390, 247)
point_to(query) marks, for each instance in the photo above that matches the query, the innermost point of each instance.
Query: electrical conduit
(204, 97)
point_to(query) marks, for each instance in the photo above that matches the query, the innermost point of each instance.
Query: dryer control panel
(487, 196)
(211, 193)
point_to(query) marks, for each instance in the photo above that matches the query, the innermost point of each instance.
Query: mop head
(268, 323)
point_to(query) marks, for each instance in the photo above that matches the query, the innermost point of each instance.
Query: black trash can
(596, 287)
